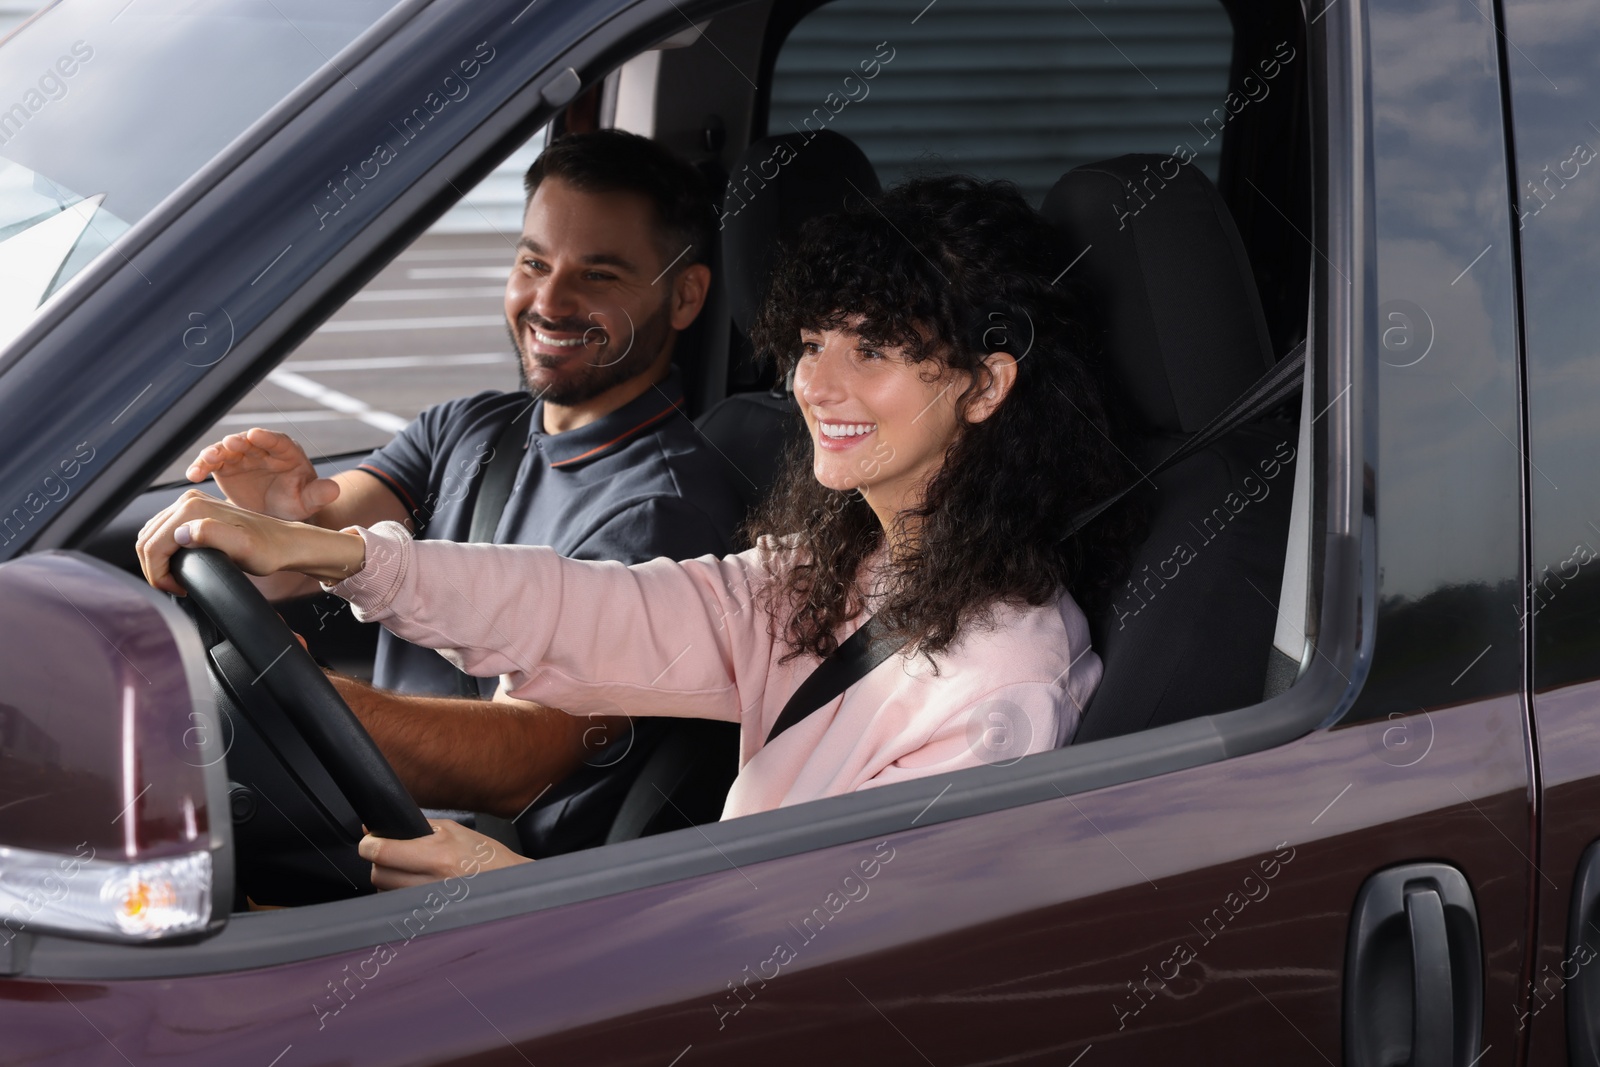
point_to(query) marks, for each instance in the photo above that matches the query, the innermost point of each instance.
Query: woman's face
(879, 422)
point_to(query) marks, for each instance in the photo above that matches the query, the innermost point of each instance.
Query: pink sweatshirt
(669, 638)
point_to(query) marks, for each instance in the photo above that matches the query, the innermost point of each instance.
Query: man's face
(589, 303)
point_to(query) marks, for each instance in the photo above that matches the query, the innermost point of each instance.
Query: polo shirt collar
(642, 414)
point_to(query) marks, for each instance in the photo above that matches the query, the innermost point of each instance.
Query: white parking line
(440, 322)
(472, 292)
(440, 274)
(394, 362)
(337, 401)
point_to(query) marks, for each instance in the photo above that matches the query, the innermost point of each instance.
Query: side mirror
(113, 790)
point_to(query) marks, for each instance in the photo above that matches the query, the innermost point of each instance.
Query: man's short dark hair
(614, 161)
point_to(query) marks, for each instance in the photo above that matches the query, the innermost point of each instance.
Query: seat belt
(850, 662)
(863, 650)
(1267, 392)
(494, 489)
(499, 475)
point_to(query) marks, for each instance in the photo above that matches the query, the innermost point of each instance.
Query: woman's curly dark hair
(950, 269)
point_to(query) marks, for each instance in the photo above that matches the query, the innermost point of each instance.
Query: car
(1338, 796)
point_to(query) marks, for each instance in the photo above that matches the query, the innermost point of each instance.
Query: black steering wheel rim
(309, 701)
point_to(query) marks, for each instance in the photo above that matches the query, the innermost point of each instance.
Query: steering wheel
(307, 699)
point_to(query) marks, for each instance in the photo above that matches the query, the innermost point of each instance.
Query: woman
(954, 432)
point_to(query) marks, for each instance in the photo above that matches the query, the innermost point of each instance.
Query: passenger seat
(1171, 298)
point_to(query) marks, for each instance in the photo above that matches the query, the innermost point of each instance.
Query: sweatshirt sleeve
(660, 637)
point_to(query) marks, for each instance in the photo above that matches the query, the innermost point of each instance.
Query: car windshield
(108, 106)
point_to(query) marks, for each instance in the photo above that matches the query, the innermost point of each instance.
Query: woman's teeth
(847, 429)
(558, 342)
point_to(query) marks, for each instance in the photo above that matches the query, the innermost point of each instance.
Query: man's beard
(597, 375)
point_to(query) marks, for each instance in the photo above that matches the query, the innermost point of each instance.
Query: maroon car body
(1386, 862)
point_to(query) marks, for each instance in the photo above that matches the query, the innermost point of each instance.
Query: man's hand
(451, 850)
(265, 471)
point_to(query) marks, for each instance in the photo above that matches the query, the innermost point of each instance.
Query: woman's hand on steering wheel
(258, 544)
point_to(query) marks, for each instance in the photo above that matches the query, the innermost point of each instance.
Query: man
(609, 269)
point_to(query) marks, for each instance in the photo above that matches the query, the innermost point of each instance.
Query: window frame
(1343, 379)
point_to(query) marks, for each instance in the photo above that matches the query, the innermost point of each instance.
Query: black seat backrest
(700, 352)
(1169, 294)
(777, 184)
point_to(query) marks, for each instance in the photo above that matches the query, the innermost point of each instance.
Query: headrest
(775, 185)
(1171, 294)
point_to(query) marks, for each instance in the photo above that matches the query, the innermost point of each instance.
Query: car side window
(429, 327)
(1023, 94)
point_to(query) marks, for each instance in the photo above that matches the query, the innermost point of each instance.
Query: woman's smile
(842, 436)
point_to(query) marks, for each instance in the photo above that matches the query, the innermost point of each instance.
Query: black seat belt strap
(852, 661)
(1272, 389)
(494, 489)
(499, 475)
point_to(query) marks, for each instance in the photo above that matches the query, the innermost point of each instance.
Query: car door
(1551, 68)
(1187, 893)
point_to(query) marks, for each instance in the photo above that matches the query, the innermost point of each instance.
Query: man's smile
(558, 342)
(563, 340)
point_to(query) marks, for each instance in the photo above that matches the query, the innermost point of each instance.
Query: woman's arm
(662, 637)
(259, 544)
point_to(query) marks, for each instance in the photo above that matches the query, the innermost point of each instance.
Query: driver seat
(1167, 290)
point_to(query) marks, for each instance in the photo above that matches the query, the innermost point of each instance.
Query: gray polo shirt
(639, 483)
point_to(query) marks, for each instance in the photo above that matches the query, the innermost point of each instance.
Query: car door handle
(1414, 970)
(1433, 1015)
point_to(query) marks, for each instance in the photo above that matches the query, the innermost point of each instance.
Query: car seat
(1167, 291)
(766, 204)
(694, 352)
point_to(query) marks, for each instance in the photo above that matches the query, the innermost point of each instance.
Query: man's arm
(496, 756)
